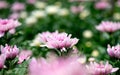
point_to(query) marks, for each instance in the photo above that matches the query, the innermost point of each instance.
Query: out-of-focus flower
(23, 14)
(40, 4)
(36, 41)
(51, 10)
(3, 4)
(114, 51)
(12, 31)
(24, 55)
(17, 6)
(39, 13)
(31, 1)
(88, 44)
(2, 60)
(116, 16)
(100, 69)
(9, 51)
(7, 25)
(87, 34)
(58, 3)
(102, 5)
(58, 40)
(59, 66)
(76, 9)
(30, 20)
(95, 53)
(63, 12)
(84, 14)
(14, 16)
(82, 59)
(118, 3)
(41, 39)
(91, 59)
(75, 50)
(107, 26)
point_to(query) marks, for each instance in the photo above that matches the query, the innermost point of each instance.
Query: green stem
(2, 72)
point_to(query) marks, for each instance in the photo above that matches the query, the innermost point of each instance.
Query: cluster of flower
(11, 52)
(69, 65)
(55, 40)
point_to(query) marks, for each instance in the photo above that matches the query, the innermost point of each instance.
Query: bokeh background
(76, 17)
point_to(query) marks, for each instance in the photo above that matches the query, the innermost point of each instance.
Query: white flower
(116, 16)
(52, 9)
(91, 59)
(23, 14)
(63, 12)
(36, 41)
(82, 59)
(39, 13)
(95, 53)
(30, 20)
(84, 14)
(87, 34)
(40, 4)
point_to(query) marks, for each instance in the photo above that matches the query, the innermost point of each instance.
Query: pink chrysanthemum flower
(59, 66)
(8, 25)
(102, 5)
(14, 16)
(57, 40)
(3, 4)
(24, 55)
(118, 3)
(107, 26)
(17, 6)
(31, 1)
(2, 60)
(114, 51)
(100, 69)
(76, 9)
(44, 36)
(9, 51)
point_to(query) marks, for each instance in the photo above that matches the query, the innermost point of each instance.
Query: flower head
(17, 7)
(52, 9)
(76, 9)
(57, 40)
(31, 1)
(3, 4)
(7, 25)
(102, 5)
(40, 4)
(30, 20)
(38, 13)
(63, 12)
(14, 16)
(100, 69)
(114, 51)
(9, 51)
(59, 66)
(24, 55)
(107, 26)
(87, 34)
